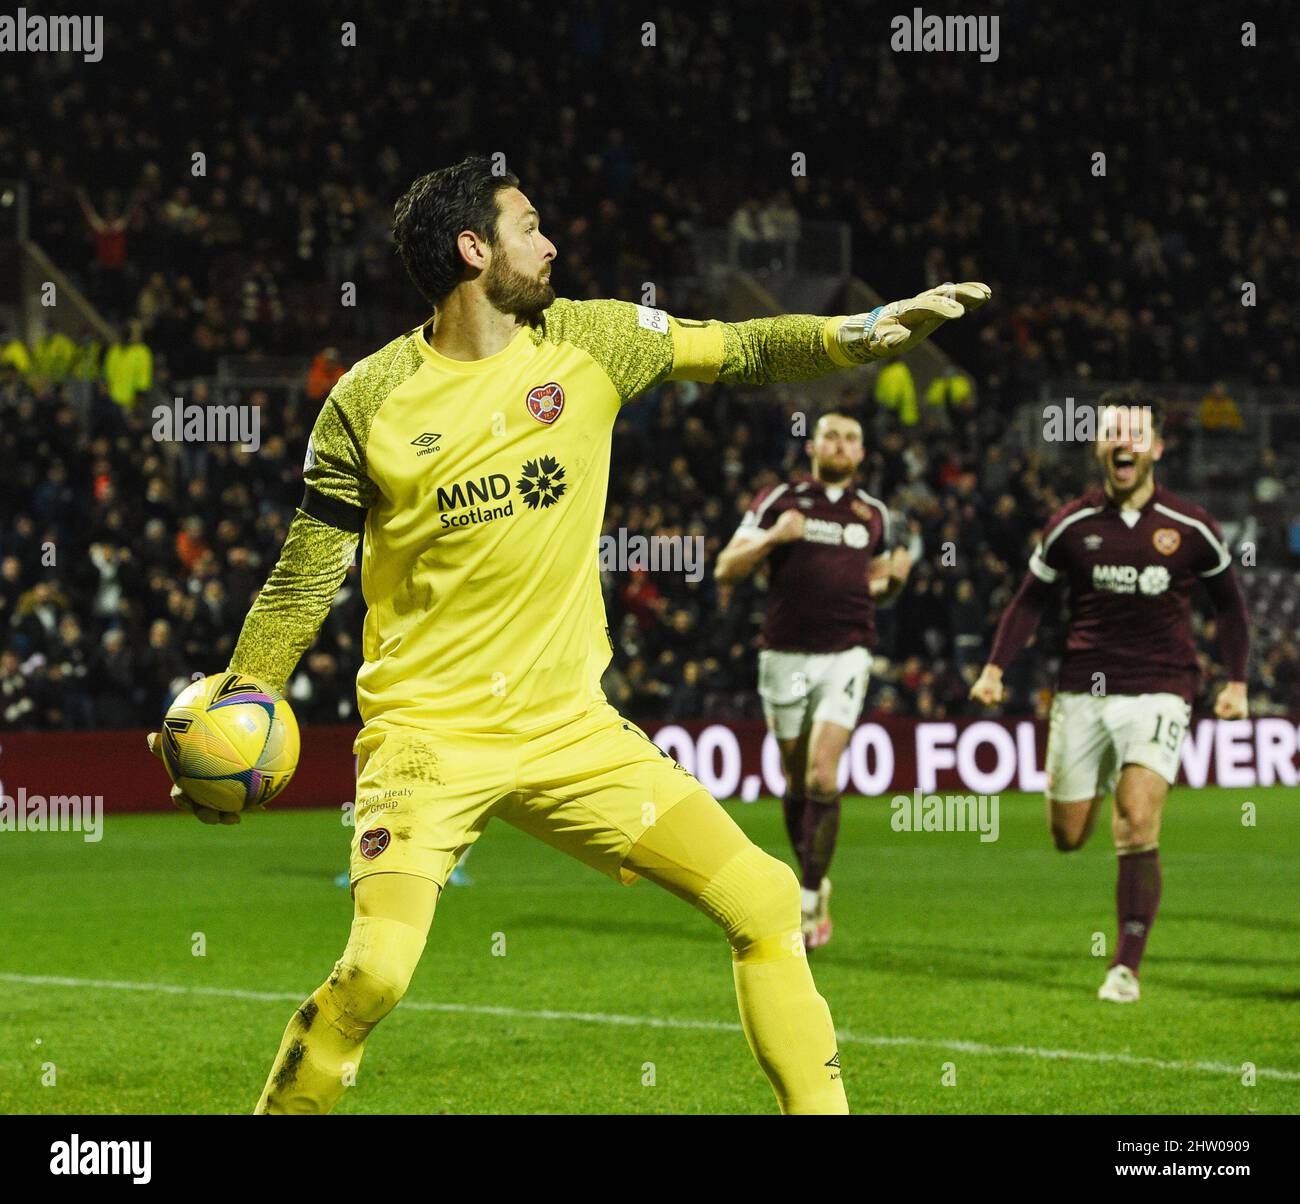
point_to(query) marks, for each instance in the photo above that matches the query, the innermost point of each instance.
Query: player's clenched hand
(204, 814)
(788, 527)
(900, 564)
(1231, 702)
(896, 328)
(988, 686)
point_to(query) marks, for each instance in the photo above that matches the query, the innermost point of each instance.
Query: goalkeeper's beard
(513, 293)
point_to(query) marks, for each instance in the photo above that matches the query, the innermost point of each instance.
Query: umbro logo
(834, 1063)
(1092, 542)
(427, 443)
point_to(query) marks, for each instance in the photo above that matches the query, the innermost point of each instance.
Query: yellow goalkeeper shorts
(589, 787)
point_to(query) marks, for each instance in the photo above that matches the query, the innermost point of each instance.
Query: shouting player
(1130, 553)
(473, 452)
(827, 547)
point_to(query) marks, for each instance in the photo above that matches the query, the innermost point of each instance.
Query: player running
(474, 454)
(830, 566)
(1130, 553)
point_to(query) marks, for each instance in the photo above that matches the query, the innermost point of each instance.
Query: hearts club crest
(545, 402)
(1166, 541)
(374, 842)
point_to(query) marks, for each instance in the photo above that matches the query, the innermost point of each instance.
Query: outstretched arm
(639, 347)
(796, 347)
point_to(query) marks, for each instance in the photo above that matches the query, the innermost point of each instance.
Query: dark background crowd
(944, 167)
(130, 564)
(127, 564)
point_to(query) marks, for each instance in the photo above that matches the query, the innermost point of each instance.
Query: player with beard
(827, 546)
(1130, 553)
(473, 452)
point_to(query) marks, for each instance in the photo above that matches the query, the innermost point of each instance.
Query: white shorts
(802, 688)
(1090, 739)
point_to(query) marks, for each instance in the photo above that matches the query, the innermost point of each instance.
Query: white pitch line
(713, 1026)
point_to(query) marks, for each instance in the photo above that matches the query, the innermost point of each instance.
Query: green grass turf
(939, 940)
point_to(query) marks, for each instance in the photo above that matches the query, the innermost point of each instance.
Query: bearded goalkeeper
(473, 453)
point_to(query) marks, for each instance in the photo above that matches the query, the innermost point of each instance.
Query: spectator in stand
(895, 390)
(110, 268)
(18, 706)
(1270, 505)
(326, 368)
(950, 390)
(1218, 411)
(128, 366)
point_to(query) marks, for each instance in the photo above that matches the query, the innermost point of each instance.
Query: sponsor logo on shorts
(385, 800)
(545, 402)
(1166, 541)
(374, 842)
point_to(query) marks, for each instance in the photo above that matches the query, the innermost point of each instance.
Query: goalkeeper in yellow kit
(473, 453)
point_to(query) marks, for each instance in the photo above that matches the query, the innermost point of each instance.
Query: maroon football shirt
(819, 594)
(1130, 590)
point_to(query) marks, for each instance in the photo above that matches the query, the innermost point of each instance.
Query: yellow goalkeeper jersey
(480, 488)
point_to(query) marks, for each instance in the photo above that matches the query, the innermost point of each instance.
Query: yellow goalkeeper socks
(786, 1022)
(322, 1046)
(697, 852)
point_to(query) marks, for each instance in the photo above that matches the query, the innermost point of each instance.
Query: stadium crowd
(1137, 272)
(131, 562)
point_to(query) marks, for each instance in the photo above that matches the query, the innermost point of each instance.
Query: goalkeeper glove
(896, 328)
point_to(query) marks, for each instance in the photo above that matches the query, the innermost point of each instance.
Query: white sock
(807, 900)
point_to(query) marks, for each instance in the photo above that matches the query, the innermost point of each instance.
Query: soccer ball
(229, 743)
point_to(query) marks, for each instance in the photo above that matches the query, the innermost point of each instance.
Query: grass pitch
(961, 976)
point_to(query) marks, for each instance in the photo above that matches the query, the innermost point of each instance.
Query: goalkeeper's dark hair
(430, 215)
(1134, 397)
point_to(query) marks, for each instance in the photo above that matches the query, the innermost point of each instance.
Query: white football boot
(1121, 986)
